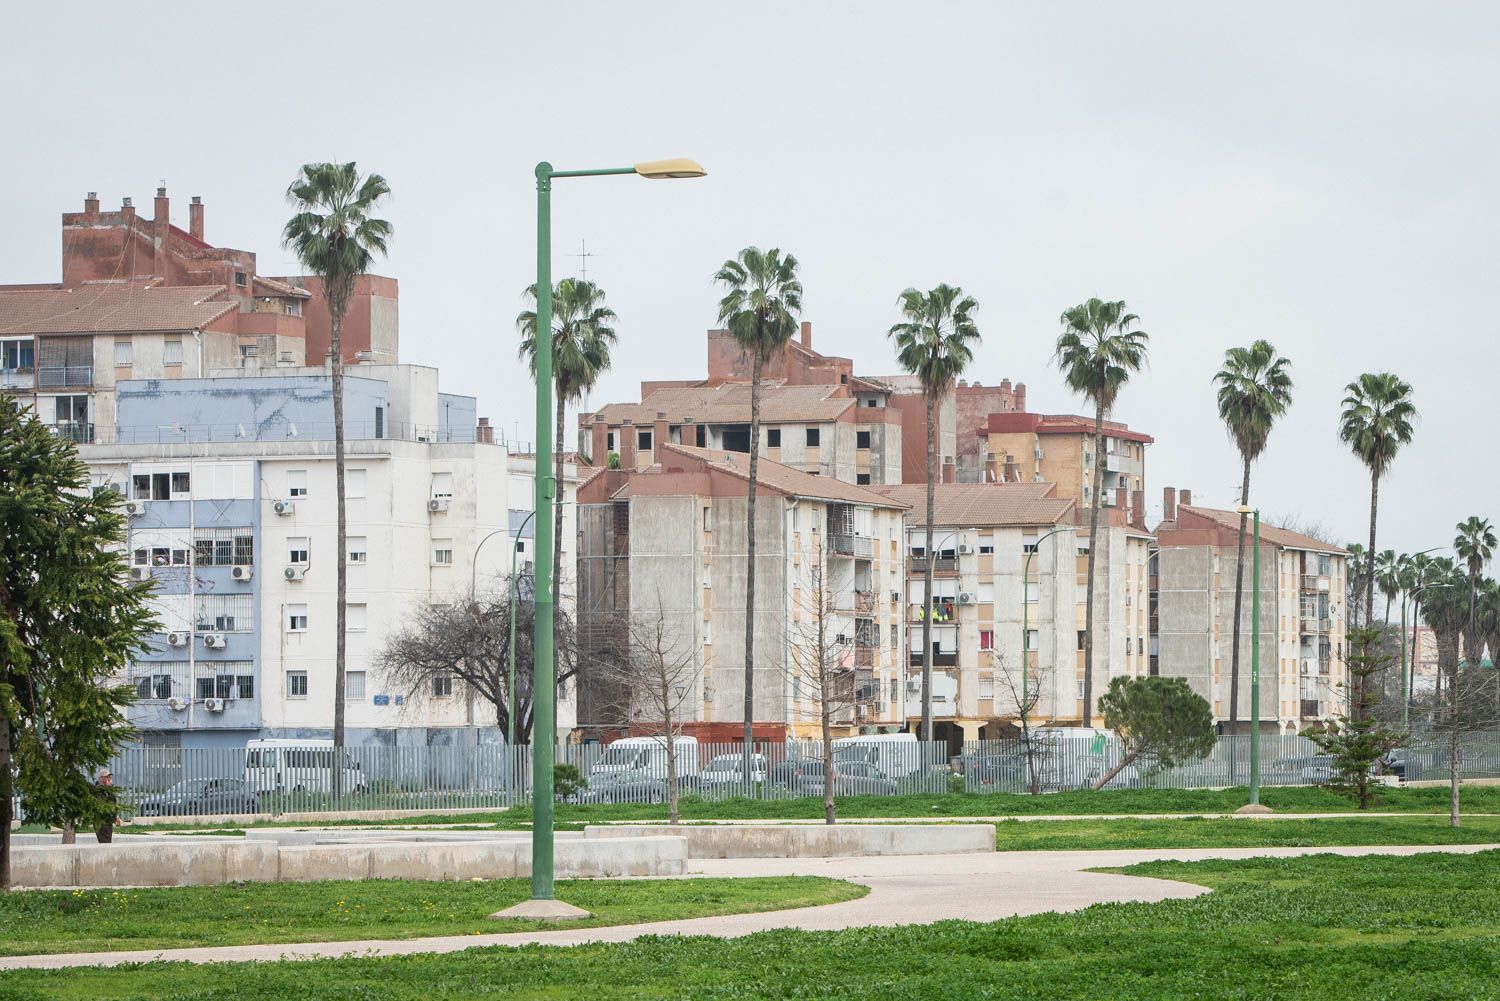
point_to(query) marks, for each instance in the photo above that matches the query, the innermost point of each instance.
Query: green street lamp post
(544, 725)
(1026, 621)
(510, 683)
(1254, 661)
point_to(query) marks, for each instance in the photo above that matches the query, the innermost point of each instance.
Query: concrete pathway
(910, 889)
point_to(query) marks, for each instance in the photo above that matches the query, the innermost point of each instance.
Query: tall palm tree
(1098, 350)
(335, 236)
(1377, 419)
(1388, 577)
(762, 299)
(935, 342)
(582, 337)
(1255, 388)
(1475, 544)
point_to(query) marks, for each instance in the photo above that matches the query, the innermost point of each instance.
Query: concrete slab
(541, 910)
(814, 841)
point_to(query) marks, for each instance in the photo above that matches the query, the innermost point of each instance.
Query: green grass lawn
(1287, 799)
(1321, 928)
(248, 913)
(1205, 832)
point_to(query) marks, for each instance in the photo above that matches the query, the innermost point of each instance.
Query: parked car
(201, 796)
(726, 773)
(987, 772)
(850, 778)
(1311, 769)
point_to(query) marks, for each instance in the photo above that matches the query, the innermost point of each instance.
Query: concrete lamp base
(1253, 810)
(541, 910)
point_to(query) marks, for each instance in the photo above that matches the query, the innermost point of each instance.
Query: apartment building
(1024, 447)
(231, 496)
(667, 543)
(1302, 624)
(1010, 567)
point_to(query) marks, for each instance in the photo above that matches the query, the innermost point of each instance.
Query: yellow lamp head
(677, 167)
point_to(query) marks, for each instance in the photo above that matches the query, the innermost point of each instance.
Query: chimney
(690, 432)
(91, 204)
(625, 438)
(1138, 508)
(599, 442)
(807, 334)
(127, 210)
(163, 207)
(1020, 398)
(1121, 504)
(659, 431)
(1168, 503)
(1187, 498)
(195, 217)
(483, 433)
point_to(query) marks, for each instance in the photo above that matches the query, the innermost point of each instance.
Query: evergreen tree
(1357, 739)
(70, 622)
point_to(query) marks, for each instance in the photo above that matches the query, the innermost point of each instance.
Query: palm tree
(759, 309)
(1356, 580)
(336, 237)
(1388, 577)
(1255, 388)
(1097, 351)
(1474, 544)
(582, 337)
(935, 342)
(1377, 420)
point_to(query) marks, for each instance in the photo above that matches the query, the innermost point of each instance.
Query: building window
(861, 439)
(862, 479)
(813, 437)
(1082, 638)
(442, 552)
(986, 688)
(643, 441)
(358, 550)
(442, 486)
(442, 686)
(296, 483)
(296, 684)
(773, 438)
(240, 279)
(986, 549)
(1324, 564)
(122, 352)
(609, 442)
(986, 595)
(354, 483)
(355, 618)
(171, 351)
(297, 550)
(18, 355)
(1033, 639)
(225, 613)
(296, 618)
(986, 639)
(708, 521)
(894, 636)
(293, 307)
(181, 483)
(354, 686)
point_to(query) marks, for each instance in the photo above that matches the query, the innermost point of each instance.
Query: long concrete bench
(812, 840)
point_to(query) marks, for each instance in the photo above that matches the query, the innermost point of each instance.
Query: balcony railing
(851, 545)
(938, 659)
(1313, 624)
(17, 378)
(1311, 709)
(864, 602)
(864, 655)
(1313, 582)
(943, 564)
(54, 376)
(78, 433)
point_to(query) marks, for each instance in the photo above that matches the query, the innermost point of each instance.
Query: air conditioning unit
(294, 573)
(214, 641)
(140, 573)
(1039, 451)
(964, 549)
(177, 705)
(438, 504)
(841, 638)
(177, 639)
(242, 573)
(118, 488)
(214, 705)
(135, 508)
(283, 507)
(965, 598)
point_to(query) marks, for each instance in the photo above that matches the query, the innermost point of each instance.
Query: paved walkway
(911, 889)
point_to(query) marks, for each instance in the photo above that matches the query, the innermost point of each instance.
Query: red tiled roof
(113, 307)
(783, 479)
(729, 403)
(984, 504)
(1022, 421)
(282, 288)
(1217, 518)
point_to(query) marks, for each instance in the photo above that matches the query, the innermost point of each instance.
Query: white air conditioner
(140, 573)
(242, 573)
(214, 705)
(214, 641)
(283, 507)
(135, 508)
(964, 549)
(295, 573)
(841, 638)
(438, 504)
(177, 705)
(1039, 451)
(177, 639)
(965, 598)
(118, 488)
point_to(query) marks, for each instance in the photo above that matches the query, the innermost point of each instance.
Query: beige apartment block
(1303, 583)
(1059, 448)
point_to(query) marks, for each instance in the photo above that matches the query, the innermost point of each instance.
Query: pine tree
(70, 622)
(1357, 739)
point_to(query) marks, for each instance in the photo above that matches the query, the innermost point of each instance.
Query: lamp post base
(1253, 810)
(541, 910)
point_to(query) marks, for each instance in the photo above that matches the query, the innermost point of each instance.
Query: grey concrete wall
(726, 665)
(813, 840)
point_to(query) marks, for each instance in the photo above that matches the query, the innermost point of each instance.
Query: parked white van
(291, 765)
(645, 757)
(897, 755)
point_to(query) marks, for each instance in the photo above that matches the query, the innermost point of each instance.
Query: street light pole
(1255, 664)
(1026, 619)
(510, 684)
(543, 722)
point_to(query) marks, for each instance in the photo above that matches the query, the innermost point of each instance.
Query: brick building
(1023, 447)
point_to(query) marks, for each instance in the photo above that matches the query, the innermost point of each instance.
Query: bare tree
(1023, 702)
(466, 644)
(658, 681)
(821, 662)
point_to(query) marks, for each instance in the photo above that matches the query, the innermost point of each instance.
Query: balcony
(1313, 624)
(858, 546)
(864, 603)
(864, 655)
(943, 564)
(1311, 708)
(1312, 582)
(939, 659)
(17, 378)
(76, 432)
(63, 376)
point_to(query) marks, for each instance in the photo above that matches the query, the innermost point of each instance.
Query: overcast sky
(1321, 175)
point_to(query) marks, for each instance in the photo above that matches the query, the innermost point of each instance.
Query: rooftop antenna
(583, 256)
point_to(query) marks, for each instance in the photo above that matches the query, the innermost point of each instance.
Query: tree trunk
(557, 523)
(825, 689)
(1239, 598)
(7, 804)
(750, 556)
(1125, 761)
(1453, 750)
(927, 578)
(341, 587)
(1370, 556)
(1088, 614)
(666, 702)
(69, 833)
